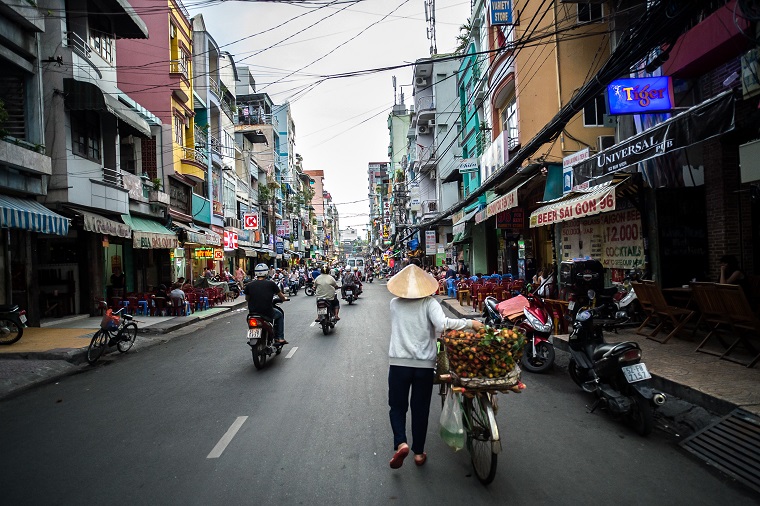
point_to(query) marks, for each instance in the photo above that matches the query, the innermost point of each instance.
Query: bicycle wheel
(482, 436)
(97, 346)
(126, 337)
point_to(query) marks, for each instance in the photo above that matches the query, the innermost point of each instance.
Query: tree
(463, 39)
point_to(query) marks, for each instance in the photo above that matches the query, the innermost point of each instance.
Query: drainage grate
(732, 445)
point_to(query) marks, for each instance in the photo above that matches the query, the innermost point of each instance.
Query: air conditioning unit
(420, 81)
(422, 129)
(431, 123)
(605, 141)
(232, 223)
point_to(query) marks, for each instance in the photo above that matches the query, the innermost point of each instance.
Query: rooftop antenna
(430, 19)
(394, 90)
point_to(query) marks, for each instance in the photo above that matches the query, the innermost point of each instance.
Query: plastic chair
(159, 306)
(451, 290)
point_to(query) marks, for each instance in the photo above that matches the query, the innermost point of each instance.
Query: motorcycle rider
(325, 288)
(259, 294)
(349, 280)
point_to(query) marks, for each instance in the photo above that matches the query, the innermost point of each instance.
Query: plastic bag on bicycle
(110, 321)
(452, 426)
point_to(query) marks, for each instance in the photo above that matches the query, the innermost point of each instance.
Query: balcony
(425, 107)
(113, 177)
(158, 197)
(428, 157)
(193, 164)
(213, 85)
(179, 67)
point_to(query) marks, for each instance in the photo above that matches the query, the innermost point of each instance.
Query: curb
(670, 387)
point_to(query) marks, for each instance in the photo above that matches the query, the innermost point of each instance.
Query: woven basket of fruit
(484, 360)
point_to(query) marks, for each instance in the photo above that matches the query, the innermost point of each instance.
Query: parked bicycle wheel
(481, 431)
(127, 337)
(97, 346)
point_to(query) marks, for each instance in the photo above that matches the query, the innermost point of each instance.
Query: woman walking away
(416, 320)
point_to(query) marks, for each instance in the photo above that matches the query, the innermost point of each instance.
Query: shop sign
(468, 165)
(595, 202)
(179, 196)
(513, 219)
(279, 248)
(203, 253)
(567, 167)
(147, 240)
(501, 12)
(457, 216)
(230, 240)
(614, 238)
(195, 237)
(640, 95)
(480, 216)
(218, 208)
(101, 225)
(430, 244)
(219, 230)
(251, 221)
(213, 239)
(503, 203)
(218, 254)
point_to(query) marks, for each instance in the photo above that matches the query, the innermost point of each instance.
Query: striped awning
(28, 214)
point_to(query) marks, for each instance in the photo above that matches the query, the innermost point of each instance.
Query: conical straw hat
(412, 283)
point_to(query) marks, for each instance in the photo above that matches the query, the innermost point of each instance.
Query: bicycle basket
(110, 321)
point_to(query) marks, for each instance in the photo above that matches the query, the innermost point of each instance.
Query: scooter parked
(529, 313)
(12, 323)
(612, 372)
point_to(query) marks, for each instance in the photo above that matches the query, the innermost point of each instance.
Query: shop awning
(212, 238)
(85, 96)
(459, 226)
(192, 234)
(506, 201)
(249, 252)
(150, 234)
(28, 214)
(100, 225)
(577, 204)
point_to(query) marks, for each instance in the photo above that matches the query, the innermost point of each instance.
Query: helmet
(325, 270)
(356, 269)
(261, 270)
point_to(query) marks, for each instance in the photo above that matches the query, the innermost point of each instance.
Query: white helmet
(261, 270)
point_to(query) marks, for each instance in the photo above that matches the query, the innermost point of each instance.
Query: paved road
(313, 429)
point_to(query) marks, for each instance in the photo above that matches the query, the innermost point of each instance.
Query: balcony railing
(195, 154)
(200, 137)
(228, 109)
(113, 176)
(424, 103)
(249, 114)
(427, 154)
(213, 85)
(77, 42)
(179, 67)
(216, 145)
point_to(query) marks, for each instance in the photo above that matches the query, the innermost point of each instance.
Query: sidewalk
(704, 380)
(58, 348)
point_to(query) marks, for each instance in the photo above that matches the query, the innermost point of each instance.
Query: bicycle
(115, 329)
(481, 430)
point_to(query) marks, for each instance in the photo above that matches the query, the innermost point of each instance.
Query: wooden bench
(744, 322)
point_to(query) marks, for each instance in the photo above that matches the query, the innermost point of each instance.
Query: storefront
(201, 249)
(151, 248)
(23, 222)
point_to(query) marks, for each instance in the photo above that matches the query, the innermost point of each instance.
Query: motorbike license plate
(321, 310)
(254, 333)
(636, 372)
(22, 318)
(570, 305)
(349, 292)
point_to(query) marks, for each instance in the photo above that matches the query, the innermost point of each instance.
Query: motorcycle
(234, 288)
(12, 323)
(261, 337)
(370, 277)
(325, 316)
(308, 288)
(528, 313)
(293, 287)
(613, 372)
(351, 293)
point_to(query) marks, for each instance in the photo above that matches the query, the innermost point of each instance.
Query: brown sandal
(420, 461)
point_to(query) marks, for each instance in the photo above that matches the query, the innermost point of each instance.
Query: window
(593, 113)
(85, 134)
(589, 12)
(505, 34)
(179, 130)
(12, 95)
(509, 123)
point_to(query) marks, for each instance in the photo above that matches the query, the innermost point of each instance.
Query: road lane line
(222, 444)
(292, 352)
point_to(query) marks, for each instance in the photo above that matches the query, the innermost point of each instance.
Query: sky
(341, 124)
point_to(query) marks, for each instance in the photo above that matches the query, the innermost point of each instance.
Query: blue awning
(28, 214)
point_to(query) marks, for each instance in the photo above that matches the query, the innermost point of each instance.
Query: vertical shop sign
(430, 244)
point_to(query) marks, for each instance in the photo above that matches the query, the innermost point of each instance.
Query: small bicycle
(115, 329)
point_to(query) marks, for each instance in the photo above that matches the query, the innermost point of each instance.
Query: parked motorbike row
(613, 372)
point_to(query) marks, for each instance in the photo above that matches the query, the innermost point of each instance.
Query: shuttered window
(13, 95)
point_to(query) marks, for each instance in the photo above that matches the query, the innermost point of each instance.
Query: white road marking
(292, 352)
(312, 324)
(222, 444)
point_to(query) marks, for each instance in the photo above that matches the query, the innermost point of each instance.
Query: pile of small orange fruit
(487, 353)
